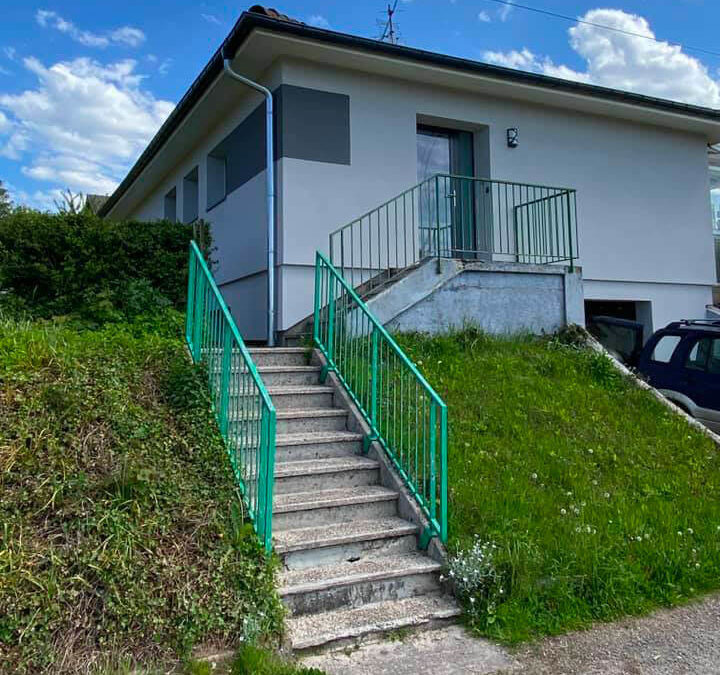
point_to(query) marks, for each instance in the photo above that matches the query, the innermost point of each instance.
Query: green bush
(101, 271)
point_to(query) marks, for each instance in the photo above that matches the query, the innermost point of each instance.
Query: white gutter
(270, 180)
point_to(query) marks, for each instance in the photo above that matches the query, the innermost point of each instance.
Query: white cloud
(624, 61)
(10, 52)
(484, 17)
(318, 21)
(125, 36)
(82, 125)
(211, 18)
(504, 12)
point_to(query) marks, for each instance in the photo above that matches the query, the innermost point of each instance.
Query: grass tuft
(601, 502)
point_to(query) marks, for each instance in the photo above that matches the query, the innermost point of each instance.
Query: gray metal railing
(449, 216)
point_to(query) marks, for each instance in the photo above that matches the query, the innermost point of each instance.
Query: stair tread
(312, 437)
(304, 501)
(326, 576)
(300, 389)
(278, 350)
(312, 467)
(289, 369)
(312, 630)
(319, 536)
(293, 413)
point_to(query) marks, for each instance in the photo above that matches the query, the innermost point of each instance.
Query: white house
(359, 122)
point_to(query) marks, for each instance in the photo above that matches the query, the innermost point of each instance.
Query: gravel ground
(680, 641)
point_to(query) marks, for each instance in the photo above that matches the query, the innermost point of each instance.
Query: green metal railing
(242, 405)
(716, 237)
(448, 216)
(404, 413)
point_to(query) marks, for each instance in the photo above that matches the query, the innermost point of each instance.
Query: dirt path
(681, 641)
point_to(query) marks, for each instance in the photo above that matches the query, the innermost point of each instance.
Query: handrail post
(570, 241)
(269, 477)
(190, 301)
(199, 321)
(437, 220)
(316, 313)
(443, 474)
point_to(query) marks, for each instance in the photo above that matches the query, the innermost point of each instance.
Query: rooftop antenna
(390, 30)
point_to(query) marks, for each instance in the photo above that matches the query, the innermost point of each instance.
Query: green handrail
(404, 413)
(243, 409)
(450, 216)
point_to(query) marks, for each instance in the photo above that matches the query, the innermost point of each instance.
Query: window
(705, 356)
(216, 179)
(665, 348)
(190, 197)
(170, 207)
(698, 357)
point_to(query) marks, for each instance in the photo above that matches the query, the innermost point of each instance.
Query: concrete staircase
(351, 566)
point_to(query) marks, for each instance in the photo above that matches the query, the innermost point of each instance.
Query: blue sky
(84, 85)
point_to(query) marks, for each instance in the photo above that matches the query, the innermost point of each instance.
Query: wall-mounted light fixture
(512, 138)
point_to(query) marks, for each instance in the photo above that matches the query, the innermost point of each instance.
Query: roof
(272, 20)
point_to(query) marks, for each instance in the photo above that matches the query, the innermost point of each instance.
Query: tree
(69, 202)
(5, 203)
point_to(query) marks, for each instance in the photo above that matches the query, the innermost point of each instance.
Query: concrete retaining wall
(500, 298)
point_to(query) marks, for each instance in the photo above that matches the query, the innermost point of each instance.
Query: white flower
(590, 451)
(563, 512)
(472, 600)
(607, 495)
(533, 476)
(690, 530)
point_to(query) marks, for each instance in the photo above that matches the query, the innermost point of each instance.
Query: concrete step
(332, 473)
(311, 421)
(317, 445)
(280, 356)
(327, 544)
(295, 376)
(306, 397)
(353, 584)
(307, 509)
(346, 625)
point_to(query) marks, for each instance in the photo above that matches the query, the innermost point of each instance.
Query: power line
(546, 12)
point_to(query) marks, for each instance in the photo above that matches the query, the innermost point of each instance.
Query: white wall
(642, 191)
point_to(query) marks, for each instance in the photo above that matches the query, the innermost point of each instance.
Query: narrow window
(190, 197)
(216, 179)
(170, 211)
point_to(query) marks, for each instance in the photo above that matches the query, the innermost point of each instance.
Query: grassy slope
(602, 503)
(120, 533)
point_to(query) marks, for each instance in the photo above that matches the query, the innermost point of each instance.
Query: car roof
(710, 326)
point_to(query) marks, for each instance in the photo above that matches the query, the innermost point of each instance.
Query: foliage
(252, 660)
(78, 264)
(5, 204)
(601, 501)
(122, 533)
(476, 581)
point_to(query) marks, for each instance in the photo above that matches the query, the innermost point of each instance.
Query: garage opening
(632, 310)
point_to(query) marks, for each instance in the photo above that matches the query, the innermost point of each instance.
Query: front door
(448, 207)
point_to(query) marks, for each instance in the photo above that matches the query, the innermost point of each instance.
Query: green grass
(602, 502)
(121, 536)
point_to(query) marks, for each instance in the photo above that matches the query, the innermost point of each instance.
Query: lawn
(600, 502)
(122, 538)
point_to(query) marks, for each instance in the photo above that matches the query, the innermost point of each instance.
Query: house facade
(359, 122)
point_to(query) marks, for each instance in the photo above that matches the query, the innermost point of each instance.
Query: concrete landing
(450, 651)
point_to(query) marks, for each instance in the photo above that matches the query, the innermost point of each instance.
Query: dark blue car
(681, 360)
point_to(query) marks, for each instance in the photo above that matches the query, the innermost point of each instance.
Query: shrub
(79, 264)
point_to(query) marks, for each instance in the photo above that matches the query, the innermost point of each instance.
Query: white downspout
(270, 178)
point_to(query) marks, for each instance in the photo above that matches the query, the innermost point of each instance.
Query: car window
(714, 361)
(665, 348)
(698, 357)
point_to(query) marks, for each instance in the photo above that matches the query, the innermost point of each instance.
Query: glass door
(447, 208)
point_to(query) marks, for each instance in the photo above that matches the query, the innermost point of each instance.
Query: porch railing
(448, 216)
(243, 409)
(404, 413)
